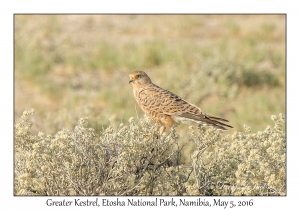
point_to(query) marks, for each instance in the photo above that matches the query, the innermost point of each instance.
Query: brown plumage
(166, 108)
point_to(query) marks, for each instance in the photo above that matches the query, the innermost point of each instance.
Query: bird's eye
(138, 76)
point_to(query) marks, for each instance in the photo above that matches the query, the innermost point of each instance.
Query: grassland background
(72, 66)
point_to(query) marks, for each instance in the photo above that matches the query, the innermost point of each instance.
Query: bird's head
(139, 78)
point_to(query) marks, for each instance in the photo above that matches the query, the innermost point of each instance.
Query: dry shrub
(245, 164)
(135, 159)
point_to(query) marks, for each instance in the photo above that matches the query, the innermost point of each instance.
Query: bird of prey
(166, 108)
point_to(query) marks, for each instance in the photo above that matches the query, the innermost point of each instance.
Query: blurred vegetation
(73, 66)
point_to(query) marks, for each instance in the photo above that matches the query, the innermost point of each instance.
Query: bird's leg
(162, 130)
(163, 125)
(158, 131)
(167, 122)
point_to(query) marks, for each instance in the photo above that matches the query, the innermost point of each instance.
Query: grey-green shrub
(245, 164)
(135, 159)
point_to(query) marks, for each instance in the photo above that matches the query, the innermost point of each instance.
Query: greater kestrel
(166, 108)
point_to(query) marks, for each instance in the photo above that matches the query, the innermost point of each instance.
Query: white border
(8, 8)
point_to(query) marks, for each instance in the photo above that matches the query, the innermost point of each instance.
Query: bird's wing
(154, 98)
(161, 101)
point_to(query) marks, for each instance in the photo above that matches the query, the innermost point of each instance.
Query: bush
(135, 159)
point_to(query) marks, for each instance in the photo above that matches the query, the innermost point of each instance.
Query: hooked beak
(130, 81)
